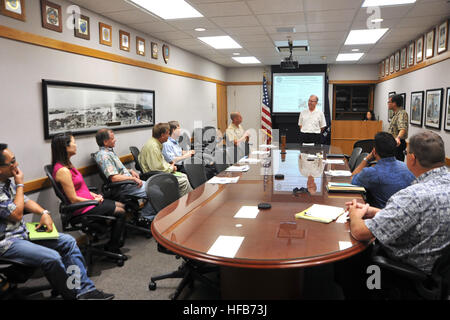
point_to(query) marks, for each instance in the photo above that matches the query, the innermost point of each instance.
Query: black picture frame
(83, 108)
(416, 108)
(390, 112)
(447, 111)
(433, 110)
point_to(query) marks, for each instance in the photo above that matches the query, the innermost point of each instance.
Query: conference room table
(262, 257)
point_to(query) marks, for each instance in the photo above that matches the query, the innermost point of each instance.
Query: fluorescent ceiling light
(220, 42)
(366, 36)
(380, 3)
(173, 9)
(355, 50)
(246, 60)
(349, 56)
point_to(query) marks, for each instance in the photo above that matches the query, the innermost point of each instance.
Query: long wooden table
(276, 245)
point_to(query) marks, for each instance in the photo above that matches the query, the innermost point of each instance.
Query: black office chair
(360, 159)
(112, 191)
(196, 173)
(94, 226)
(366, 145)
(353, 157)
(163, 190)
(430, 287)
(142, 175)
(13, 273)
(220, 159)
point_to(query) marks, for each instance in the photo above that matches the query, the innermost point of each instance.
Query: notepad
(308, 144)
(338, 173)
(238, 168)
(334, 161)
(35, 235)
(249, 160)
(344, 187)
(226, 246)
(223, 180)
(320, 213)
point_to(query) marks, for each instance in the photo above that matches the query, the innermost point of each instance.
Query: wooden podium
(344, 133)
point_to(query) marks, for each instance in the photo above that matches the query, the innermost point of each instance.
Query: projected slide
(291, 91)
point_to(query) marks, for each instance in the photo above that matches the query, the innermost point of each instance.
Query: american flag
(266, 119)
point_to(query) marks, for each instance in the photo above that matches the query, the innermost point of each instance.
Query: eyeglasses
(13, 161)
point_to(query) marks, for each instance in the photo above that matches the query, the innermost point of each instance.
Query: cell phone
(42, 228)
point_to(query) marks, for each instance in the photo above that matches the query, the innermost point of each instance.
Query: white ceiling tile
(191, 24)
(245, 31)
(282, 19)
(394, 12)
(293, 36)
(240, 21)
(322, 27)
(151, 27)
(325, 5)
(226, 9)
(131, 16)
(278, 6)
(441, 8)
(298, 29)
(103, 6)
(207, 33)
(330, 16)
(327, 35)
(172, 35)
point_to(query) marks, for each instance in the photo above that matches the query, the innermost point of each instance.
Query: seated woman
(370, 116)
(75, 189)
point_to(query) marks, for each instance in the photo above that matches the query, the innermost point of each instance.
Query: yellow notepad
(35, 235)
(320, 213)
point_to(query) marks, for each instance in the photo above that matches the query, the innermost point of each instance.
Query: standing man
(54, 257)
(311, 122)
(115, 171)
(399, 125)
(152, 159)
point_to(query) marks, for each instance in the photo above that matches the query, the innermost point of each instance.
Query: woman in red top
(75, 189)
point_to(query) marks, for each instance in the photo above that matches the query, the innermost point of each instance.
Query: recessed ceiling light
(323, 57)
(355, 50)
(366, 36)
(174, 9)
(200, 29)
(380, 3)
(236, 53)
(377, 20)
(246, 60)
(349, 56)
(220, 42)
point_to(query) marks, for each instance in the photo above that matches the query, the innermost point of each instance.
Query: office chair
(13, 273)
(353, 157)
(430, 287)
(94, 226)
(366, 145)
(196, 173)
(142, 175)
(163, 190)
(112, 190)
(220, 160)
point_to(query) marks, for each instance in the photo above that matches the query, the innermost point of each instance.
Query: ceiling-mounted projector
(289, 62)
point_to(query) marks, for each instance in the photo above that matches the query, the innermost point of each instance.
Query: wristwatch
(45, 212)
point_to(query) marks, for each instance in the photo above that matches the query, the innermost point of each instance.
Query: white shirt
(234, 133)
(311, 122)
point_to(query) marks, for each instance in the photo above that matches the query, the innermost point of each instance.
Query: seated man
(114, 170)
(414, 226)
(385, 178)
(151, 157)
(235, 132)
(172, 151)
(53, 256)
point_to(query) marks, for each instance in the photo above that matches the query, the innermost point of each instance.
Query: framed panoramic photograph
(13, 9)
(433, 108)
(429, 44)
(124, 38)
(82, 27)
(382, 69)
(411, 54)
(419, 49)
(397, 61)
(105, 34)
(391, 64)
(84, 108)
(154, 48)
(416, 108)
(442, 37)
(51, 16)
(386, 67)
(403, 59)
(390, 112)
(447, 112)
(140, 46)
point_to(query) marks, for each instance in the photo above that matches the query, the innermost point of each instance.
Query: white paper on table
(249, 160)
(269, 146)
(223, 180)
(342, 218)
(308, 144)
(324, 212)
(238, 168)
(226, 246)
(344, 245)
(260, 152)
(338, 173)
(334, 161)
(247, 212)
